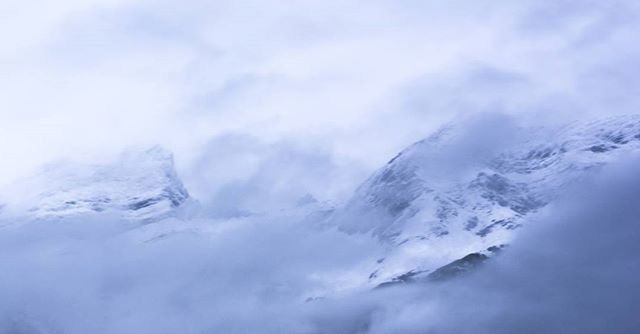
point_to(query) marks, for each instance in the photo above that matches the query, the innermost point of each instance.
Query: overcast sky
(339, 86)
(264, 101)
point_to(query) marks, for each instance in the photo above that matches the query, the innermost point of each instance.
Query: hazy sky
(339, 86)
(265, 101)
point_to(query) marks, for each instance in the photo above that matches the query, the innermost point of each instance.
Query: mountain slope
(138, 185)
(456, 193)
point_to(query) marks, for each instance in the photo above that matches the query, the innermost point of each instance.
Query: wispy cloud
(264, 102)
(335, 74)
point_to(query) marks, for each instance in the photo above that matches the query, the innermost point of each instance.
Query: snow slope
(140, 185)
(431, 206)
(462, 191)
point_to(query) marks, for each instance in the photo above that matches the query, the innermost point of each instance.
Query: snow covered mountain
(449, 196)
(140, 185)
(444, 204)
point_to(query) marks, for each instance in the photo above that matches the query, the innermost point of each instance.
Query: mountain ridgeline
(139, 185)
(441, 206)
(452, 195)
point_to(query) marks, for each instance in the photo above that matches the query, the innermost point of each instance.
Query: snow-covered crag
(441, 206)
(432, 207)
(140, 185)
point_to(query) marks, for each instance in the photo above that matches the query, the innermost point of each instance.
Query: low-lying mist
(573, 269)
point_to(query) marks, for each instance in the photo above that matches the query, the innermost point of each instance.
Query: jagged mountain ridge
(430, 212)
(139, 185)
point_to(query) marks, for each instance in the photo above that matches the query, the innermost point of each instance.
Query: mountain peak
(139, 185)
(461, 191)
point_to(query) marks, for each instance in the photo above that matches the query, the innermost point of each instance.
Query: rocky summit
(457, 193)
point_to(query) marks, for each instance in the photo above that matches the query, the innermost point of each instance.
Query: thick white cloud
(574, 270)
(359, 80)
(266, 101)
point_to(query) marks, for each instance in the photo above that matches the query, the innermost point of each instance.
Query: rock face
(449, 271)
(138, 185)
(431, 206)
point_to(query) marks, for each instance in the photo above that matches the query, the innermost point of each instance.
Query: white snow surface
(432, 206)
(139, 185)
(438, 200)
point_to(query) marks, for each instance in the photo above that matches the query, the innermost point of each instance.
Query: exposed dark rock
(452, 270)
(617, 138)
(505, 193)
(507, 223)
(471, 223)
(406, 278)
(458, 267)
(143, 203)
(394, 158)
(601, 148)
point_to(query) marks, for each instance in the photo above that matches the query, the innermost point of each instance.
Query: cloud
(100, 275)
(338, 75)
(571, 270)
(238, 175)
(264, 102)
